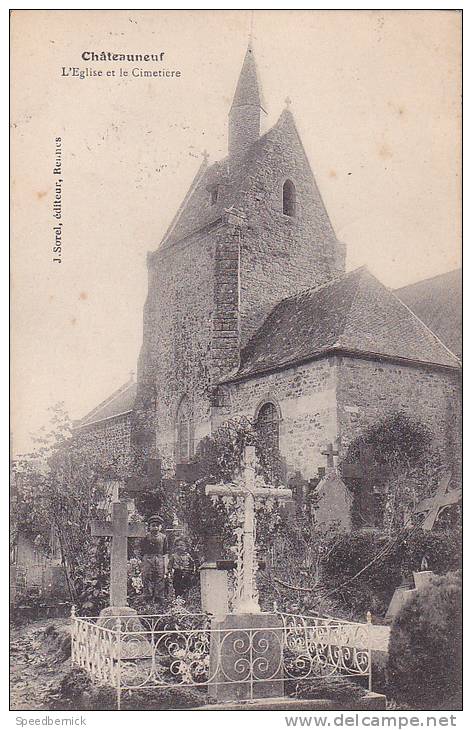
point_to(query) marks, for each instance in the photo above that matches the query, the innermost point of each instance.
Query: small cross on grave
(330, 453)
(119, 529)
(433, 506)
(246, 601)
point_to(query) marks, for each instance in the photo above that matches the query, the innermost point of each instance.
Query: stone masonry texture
(218, 326)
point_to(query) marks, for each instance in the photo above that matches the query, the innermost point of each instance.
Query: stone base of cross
(248, 487)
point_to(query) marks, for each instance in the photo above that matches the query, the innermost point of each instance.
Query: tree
(59, 489)
(219, 459)
(401, 449)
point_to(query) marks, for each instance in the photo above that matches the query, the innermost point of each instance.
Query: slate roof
(248, 89)
(354, 313)
(438, 303)
(118, 403)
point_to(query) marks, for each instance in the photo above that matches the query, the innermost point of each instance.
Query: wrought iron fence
(188, 650)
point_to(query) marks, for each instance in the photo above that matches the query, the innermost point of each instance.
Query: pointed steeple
(247, 107)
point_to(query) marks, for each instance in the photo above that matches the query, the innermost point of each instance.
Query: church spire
(245, 113)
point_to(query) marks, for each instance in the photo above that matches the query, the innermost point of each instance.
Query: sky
(376, 99)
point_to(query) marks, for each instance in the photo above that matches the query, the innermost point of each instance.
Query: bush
(77, 692)
(424, 666)
(334, 688)
(374, 588)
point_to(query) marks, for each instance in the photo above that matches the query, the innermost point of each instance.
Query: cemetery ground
(317, 585)
(40, 662)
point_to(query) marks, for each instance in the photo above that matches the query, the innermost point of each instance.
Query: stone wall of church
(306, 398)
(281, 254)
(106, 442)
(176, 354)
(369, 391)
(340, 397)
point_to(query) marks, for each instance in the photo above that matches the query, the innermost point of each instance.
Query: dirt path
(36, 666)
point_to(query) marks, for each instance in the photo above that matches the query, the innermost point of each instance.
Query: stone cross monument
(119, 529)
(247, 635)
(246, 598)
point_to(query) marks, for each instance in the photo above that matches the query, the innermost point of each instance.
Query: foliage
(374, 588)
(332, 687)
(156, 501)
(219, 459)
(58, 490)
(401, 448)
(424, 665)
(77, 692)
(321, 564)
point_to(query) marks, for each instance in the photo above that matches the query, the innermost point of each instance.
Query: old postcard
(236, 478)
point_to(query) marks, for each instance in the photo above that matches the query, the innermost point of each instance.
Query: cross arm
(274, 492)
(225, 490)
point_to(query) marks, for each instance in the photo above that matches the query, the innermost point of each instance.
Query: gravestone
(403, 593)
(369, 482)
(333, 498)
(214, 580)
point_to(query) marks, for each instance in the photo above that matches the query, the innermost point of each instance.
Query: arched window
(184, 432)
(267, 424)
(289, 198)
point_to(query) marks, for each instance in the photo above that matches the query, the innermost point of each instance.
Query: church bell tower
(247, 109)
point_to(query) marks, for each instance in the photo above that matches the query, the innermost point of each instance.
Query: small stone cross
(330, 453)
(433, 506)
(247, 601)
(119, 529)
(288, 102)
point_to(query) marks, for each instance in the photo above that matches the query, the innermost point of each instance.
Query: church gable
(289, 243)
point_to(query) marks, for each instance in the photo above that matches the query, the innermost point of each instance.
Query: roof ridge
(319, 287)
(354, 298)
(425, 327)
(119, 391)
(428, 278)
(196, 179)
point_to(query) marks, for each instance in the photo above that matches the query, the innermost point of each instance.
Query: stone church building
(250, 312)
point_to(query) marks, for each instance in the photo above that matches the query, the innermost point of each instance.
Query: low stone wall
(370, 702)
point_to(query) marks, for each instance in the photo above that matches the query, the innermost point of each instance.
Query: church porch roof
(117, 404)
(353, 314)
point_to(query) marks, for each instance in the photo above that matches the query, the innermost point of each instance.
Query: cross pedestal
(246, 657)
(246, 648)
